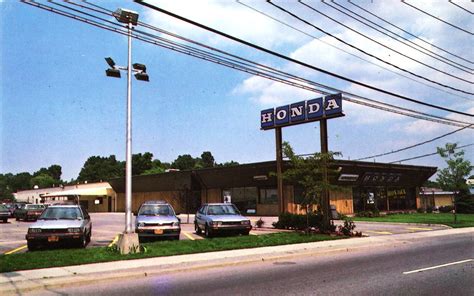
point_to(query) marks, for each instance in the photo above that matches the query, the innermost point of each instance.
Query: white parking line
(114, 241)
(188, 235)
(438, 266)
(16, 250)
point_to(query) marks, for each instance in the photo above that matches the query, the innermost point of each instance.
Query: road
(383, 270)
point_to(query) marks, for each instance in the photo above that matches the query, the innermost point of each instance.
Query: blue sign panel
(297, 111)
(282, 115)
(333, 104)
(267, 118)
(314, 108)
(302, 112)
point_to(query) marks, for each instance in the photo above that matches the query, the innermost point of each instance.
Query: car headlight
(245, 222)
(34, 230)
(216, 223)
(176, 224)
(74, 230)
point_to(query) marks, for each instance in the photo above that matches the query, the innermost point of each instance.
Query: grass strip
(68, 257)
(463, 220)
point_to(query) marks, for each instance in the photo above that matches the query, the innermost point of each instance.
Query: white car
(60, 224)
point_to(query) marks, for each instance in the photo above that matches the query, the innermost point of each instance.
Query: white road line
(438, 266)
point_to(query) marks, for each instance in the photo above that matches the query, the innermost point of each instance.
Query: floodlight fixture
(142, 76)
(139, 67)
(110, 62)
(113, 73)
(126, 16)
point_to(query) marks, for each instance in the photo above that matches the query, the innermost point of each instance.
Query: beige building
(434, 197)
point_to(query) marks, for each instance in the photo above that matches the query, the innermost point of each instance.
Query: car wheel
(246, 232)
(32, 246)
(83, 242)
(89, 236)
(17, 219)
(176, 237)
(197, 229)
(207, 232)
(5, 220)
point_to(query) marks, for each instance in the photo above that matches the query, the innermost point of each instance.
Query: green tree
(453, 177)
(308, 173)
(141, 163)
(5, 186)
(43, 181)
(184, 162)
(207, 159)
(97, 168)
(228, 164)
(54, 171)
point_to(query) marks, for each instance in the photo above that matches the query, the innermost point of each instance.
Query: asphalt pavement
(425, 263)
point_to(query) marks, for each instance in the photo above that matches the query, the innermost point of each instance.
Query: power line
(373, 40)
(415, 145)
(429, 154)
(411, 34)
(225, 62)
(349, 53)
(439, 19)
(297, 61)
(411, 43)
(380, 43)
(465, 9)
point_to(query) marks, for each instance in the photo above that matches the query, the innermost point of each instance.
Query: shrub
(259, 223)
(300, 222)
(446, 209)
(420, 210)
(348, 227)
(429, 210)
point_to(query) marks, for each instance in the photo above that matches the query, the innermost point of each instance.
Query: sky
(58, 107)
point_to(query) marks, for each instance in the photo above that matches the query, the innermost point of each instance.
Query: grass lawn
(66, 257)
(464, 220)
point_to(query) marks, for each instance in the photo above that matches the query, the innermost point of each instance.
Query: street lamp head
(112, 73)
(139, 67)
(142, 76)
(126, 16)
(110, 62)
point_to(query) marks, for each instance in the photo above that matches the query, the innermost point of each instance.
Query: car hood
(156, 219)
(57, 224)
(228, 218)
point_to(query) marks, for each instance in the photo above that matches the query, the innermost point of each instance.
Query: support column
(325, 204)
(279, 159)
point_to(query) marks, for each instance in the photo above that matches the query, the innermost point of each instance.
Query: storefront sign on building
(302, 112)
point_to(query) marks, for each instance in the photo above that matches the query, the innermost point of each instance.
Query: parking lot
(105, 228)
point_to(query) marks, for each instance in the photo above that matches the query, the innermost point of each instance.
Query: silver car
(60, 224)
(215, 218)
(157, 219)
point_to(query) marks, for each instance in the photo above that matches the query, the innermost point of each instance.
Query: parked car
(29, 212)
(60, 224)
(11, 208)
(216, 218)
(157, 219)
(4, 213)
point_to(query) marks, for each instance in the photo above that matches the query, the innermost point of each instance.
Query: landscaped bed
(66, 257)
(463, 220)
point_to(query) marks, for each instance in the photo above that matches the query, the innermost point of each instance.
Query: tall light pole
(128, 241)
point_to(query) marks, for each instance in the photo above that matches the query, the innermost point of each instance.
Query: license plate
(53, 239)
(158, 231)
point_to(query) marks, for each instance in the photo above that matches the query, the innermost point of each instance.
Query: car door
(200, 217)
(87, 220)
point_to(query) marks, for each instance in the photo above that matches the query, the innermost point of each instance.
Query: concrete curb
(29, 280)
(401, 223)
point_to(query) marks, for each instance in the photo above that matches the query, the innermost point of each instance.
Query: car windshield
(156, 210)
(52, 213)
(34, 207)
(222, 210)
(2, 207)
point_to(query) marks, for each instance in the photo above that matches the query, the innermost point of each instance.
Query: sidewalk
(22, 281)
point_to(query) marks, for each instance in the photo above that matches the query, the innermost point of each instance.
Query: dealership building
(253, 188)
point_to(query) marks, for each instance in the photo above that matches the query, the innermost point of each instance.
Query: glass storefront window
(244, 198)
(268, 196)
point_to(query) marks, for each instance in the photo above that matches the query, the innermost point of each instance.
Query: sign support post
(279, 159)
(325, 203)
